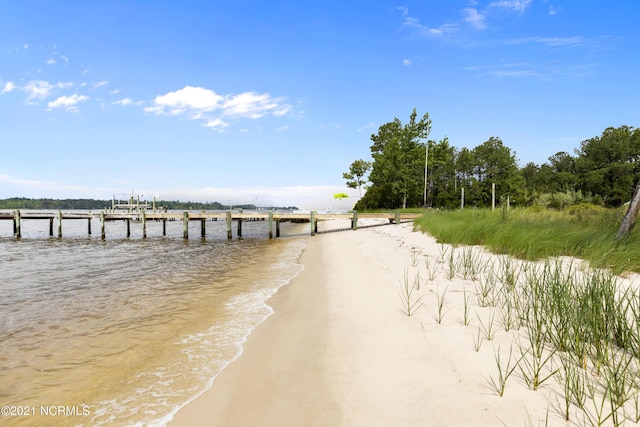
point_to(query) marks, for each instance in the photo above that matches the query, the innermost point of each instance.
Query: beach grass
(581, 325)
(584, 231)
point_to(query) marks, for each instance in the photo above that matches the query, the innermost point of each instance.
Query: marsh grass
(504, 371)
(586, 232)
(431, 266)
(488, 329)
(415, 256)
(465, 314)
(477, 341)
(410, 301)
(441, 298)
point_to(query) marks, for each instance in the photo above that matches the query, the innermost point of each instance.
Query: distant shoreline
(48, 203)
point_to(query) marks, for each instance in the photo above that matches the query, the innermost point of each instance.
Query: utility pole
(426, 160)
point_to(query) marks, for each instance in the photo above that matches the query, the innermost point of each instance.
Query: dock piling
(185, 224)
(144, 225)
(229, 235)
(59, 224)
(17, 228)
(102, 229)
(313, 223)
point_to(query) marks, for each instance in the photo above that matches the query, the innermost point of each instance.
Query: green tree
(442, 180)
(355, 176)
(496, 163)
(399, 161)
(564, 176)
(609, 165)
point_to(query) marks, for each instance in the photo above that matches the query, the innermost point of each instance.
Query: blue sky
(270, 102)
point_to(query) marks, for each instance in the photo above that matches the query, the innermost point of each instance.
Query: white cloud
(286, 109)
(198, 103)
(8, 87)
(517, 5)
(403, 9)
(551, 41)
(50, 61)
(282, 128)
(218, 124)
(427, 31)
(100, 84)
(250, 104)
(37, 89)
(407, 62)
(40, 89)
(187, 99)
(67, 102)
(123, 101)
(474, 18)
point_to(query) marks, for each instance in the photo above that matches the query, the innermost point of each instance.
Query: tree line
(603, 170)
(92, 204)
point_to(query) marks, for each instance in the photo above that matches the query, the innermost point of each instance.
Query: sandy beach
(341, 349)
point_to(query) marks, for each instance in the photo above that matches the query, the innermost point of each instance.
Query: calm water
(127, 330)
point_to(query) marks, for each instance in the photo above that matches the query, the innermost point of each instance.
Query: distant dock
(273, 220)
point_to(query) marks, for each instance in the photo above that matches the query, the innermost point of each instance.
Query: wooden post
(59, 224)
(203, 228)
(17, 228)
(51, 226)
(239, 224)
(462, 199)
(397, 218)
(89, 226)
(493, 195)
(277, 228)
(270, 220)
(312, 222)
(164, 226)
(102, 230)
(144, 224)
(229, 236)
(185, 224)
(128, 227)
(354, 221)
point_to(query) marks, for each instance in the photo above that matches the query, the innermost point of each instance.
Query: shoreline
(261, 384)
(339, 349)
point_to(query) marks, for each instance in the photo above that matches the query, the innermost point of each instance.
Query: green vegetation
(584, 231)
(603, 171)
(570, 326)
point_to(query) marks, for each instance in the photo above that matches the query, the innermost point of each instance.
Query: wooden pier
(273, 220)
